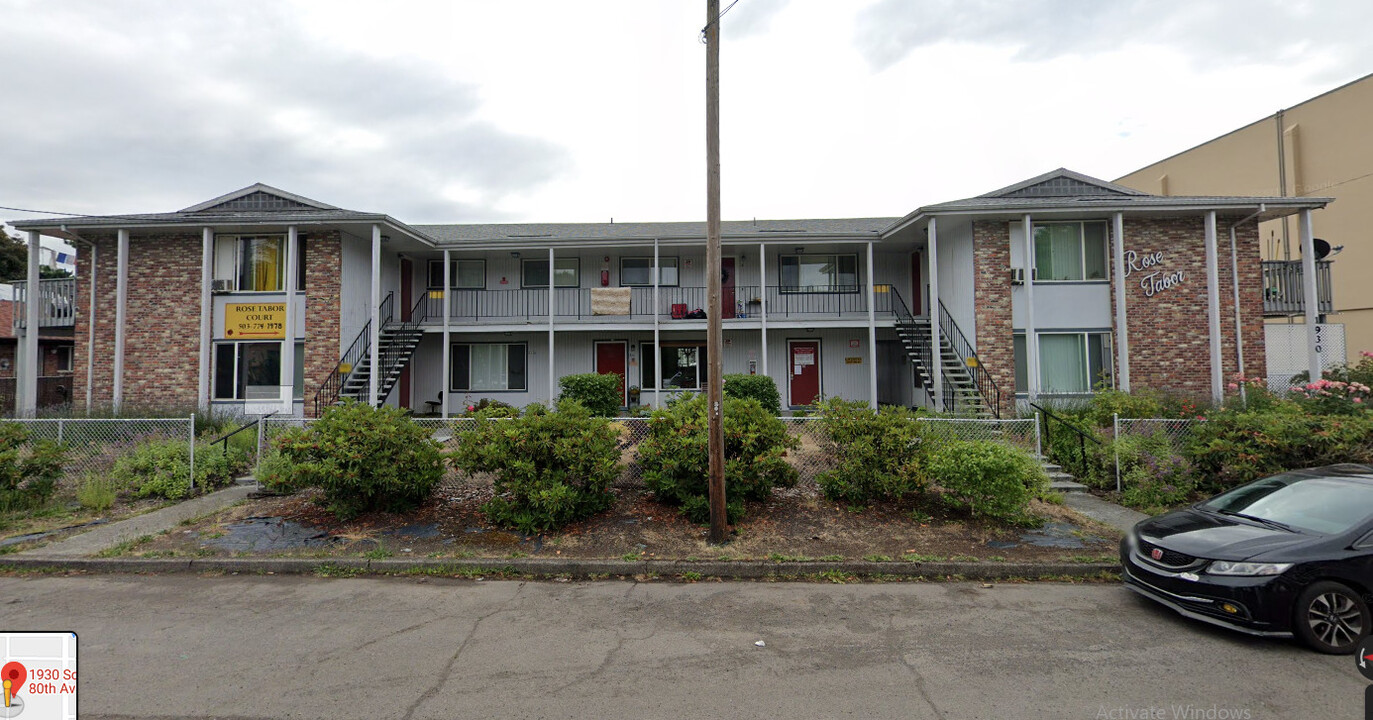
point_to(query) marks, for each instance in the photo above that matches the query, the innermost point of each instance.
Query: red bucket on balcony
(679, 311)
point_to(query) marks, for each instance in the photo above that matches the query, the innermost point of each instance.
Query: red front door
(727, 299)
(805, 371)
(406, 302)
(610, 358)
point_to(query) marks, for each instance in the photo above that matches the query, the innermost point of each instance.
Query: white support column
(287, 381)
(872, 333)
(936, 355)
(552, 374)
(207, 250)
(1031, 338)
(121, 311)
(1213, 310)
(90, 329)
(447, 314)
(33, 299)
(657, 351)
(1308, 281)
(374, 345)
(763, 306)
(1122, 323)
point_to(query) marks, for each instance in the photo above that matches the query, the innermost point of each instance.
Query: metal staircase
(968, 388)
(396, 344)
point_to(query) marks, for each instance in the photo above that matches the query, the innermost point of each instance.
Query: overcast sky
(582, 111)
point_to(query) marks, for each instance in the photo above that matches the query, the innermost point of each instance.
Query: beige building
(1321, 147)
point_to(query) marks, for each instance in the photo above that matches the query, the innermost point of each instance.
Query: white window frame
(1082, 251)
(576, 263)
(65, 362)
(454, 275)
(1108, 356)
(663, 263)
(228, 265)
(298, 392)
(832, 289)
(524, 348)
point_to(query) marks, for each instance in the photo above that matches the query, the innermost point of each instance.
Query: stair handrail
(329, 390)
(390, 353)
(986, 386)
(925, 354)
(1082, 436)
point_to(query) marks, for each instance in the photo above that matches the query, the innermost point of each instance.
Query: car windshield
(1328, 506)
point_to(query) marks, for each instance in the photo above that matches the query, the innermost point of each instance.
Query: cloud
(751, 17)
(1224, 31)
(121, 105)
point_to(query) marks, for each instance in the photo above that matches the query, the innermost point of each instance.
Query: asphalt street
(185, 646)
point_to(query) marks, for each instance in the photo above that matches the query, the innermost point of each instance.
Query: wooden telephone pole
(714, 338)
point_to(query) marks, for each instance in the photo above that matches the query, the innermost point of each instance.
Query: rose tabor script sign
(1155, 279)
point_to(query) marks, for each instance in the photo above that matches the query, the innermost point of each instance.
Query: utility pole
(714, 338)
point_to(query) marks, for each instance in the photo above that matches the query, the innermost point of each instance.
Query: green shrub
(364, 458)
(551, 468)
(275, 472)
(879, 453)
(676, 464)
(987, 478)
(97, 493)
(490, 407)
(601, 394)
(1236, 446)
(758, 387)
(162, 468)
(29, 469)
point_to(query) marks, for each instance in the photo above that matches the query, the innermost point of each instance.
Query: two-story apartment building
(1051, 286)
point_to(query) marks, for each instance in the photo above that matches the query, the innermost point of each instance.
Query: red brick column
(992, 306)
(323, 275)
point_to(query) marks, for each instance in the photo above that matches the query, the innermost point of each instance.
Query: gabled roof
(1061, 183)
(261, 198)
(1064, 192)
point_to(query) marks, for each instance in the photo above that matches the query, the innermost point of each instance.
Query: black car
(1289, 554)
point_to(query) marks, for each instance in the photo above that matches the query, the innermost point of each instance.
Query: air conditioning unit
(222, 286)
(1017, 276)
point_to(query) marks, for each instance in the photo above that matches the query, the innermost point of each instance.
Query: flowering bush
(1329, 397)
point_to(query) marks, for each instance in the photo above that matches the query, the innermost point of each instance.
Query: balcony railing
(1282, 288)
(740, 302)
(56, 303)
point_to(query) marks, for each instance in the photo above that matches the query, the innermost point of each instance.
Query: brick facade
(323, 276)
(162, 341)
(1169, 332)
(992, 307)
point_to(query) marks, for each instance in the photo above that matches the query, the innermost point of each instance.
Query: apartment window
(819, 273)
(487, 367)
(1068, 362)
(64, 359)
(1070, 251)
(257, 263)
(566, 273)
(682, 364)
(639, 271)
(464, 275)
(252, 371)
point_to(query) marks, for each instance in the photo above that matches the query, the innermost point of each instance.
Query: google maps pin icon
(14, 675)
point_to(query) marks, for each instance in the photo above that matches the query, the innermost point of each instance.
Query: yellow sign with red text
(255, 321)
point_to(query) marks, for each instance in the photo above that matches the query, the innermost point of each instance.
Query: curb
(540, 567)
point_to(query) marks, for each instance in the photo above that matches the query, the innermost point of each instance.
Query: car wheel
(1331, 618)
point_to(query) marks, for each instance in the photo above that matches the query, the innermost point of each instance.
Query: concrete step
(1067, 486)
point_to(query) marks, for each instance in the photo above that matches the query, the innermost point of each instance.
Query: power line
(49, 212)
(717, 19)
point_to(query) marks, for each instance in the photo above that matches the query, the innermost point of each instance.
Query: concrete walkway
(1120, 518)
(106, 536)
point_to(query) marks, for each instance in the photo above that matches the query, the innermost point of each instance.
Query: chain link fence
(94, 445)
(1175, 434)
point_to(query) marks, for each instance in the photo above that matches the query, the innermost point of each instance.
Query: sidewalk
(107, 536)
